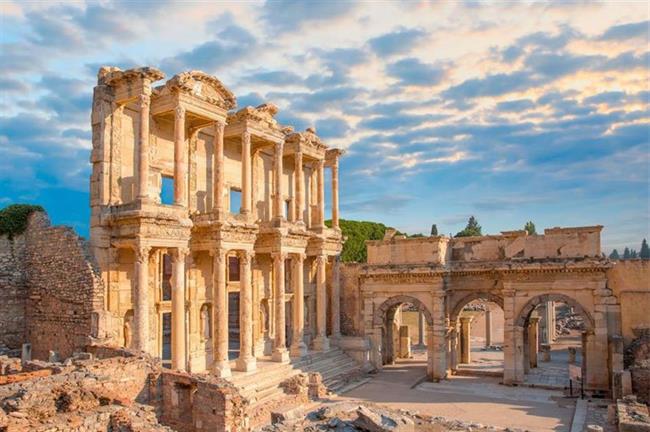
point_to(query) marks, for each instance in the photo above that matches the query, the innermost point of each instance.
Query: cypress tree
(645, 250)
(614, 255)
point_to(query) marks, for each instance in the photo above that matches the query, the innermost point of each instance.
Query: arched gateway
(518, 272)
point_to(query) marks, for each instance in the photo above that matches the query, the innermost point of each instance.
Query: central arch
(382, 311)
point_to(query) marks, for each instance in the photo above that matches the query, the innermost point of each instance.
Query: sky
(508, 111)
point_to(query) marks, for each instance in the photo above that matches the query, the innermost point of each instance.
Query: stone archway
(384, 346)
(458, 335)
(522, 350)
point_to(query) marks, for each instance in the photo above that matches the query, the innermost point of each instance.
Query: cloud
(627, 31)
(377, 205)
(491, 85)
(399, 41)
(395, 121)
(411, 71)
(332, 128)
(290, 15)
(518, 105)
(275, 78)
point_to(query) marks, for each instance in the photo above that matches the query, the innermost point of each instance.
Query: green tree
(614, 255)
(434, 230)
(472, 228)
(633, 254)
(645, 250)
(530, 228)
(356, 233)
(13, 218)
(626, 253)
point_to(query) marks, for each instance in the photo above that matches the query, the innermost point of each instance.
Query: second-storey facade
(208, 224)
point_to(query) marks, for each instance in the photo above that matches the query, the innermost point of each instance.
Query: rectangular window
(235, 200)
(167, 190)
(233, 269)
(287, 209)
(166, 278)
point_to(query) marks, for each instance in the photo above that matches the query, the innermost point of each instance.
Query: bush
(13, 218)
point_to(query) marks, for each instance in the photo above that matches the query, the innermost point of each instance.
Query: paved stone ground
(471, 399)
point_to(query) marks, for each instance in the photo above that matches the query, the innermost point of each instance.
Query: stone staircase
(263, 385)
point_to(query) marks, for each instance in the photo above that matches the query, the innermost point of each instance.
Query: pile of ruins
(211, 296)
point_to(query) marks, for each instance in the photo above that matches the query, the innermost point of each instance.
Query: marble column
(246, 173)
(298, 347)
(321, 342)
(246, 361)
(335, 193)
(141, 300)
(437, 338)
(278, 207)
(336, 298)
(533, 341)
(221, 365)
(143, 148)
(180, 164)
(218, 170)
(321, 194)
(280, 353)
(178, 309)
(488, 327)
(465, 341)
(299, 188)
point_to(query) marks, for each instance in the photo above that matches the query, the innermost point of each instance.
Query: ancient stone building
(208, 224)
(439, 276)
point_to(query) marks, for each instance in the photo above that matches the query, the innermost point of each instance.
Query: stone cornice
(186, 81)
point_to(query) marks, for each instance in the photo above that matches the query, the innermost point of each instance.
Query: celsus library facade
(208, 224)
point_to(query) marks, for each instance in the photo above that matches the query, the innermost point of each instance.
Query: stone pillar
(321, 342)
(321, 194)
(452, 353)
(465, 345)
(246, 173)
(335, 193)
(143, 148)
(572, 355)
(420, 329)
(509, 338)
(180, 165)
(404, 342)
(299, 180)
(549, 331)
(246, 361)
(437, 341)
(218, 170)
(178, 309)
(298, 347)
(221, 365)
(488, 327)
(533, 341)
(336, 299)
(278, 208)
(280, 353)
(141, 300)
(546, 352)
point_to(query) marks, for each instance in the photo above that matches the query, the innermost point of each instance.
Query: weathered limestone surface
(52, 295)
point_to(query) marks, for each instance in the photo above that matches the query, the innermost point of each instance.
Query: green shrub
(13, 218)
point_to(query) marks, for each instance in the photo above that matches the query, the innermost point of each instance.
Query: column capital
(246, 136)
(321, 259)
(219, 127)
(142, 253)
(299, 255)
(179, 253)
(279, 256)
(246, 256)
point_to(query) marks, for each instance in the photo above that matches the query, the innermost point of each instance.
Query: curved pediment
(203, 86)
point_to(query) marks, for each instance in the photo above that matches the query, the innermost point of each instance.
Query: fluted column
(180, 164)
(298, 347)
(143, 147)
(335, 193)
(218, 169)
(141, 300)
(278, 208)
(246, 172)
(549, 332)
(178, 309)
(246, 361)
(299, 187)
(336, 298)
(221, 365)
(321, 194)
(321, 343)
(280, 353)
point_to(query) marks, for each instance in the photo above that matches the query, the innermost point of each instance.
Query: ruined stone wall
(51, 295)
(351, 322)
(13, 291)
(630, 282)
